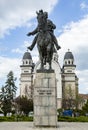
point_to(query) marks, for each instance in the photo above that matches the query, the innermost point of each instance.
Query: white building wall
(26, 81)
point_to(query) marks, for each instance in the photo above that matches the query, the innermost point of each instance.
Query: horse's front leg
(40, 56)
(50, 67)
(49, 60)
(42, 65)
(49, 55)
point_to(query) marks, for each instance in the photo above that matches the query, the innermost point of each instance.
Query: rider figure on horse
(50, 28)
(44, 38)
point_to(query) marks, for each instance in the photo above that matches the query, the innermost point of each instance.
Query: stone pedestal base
(45, 104)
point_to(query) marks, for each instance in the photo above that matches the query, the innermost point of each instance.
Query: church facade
(66, 79)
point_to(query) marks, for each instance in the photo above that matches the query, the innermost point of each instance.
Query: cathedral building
(66, 79)
(26, 77)
(69, 82)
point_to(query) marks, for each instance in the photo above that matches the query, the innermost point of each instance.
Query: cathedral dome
(68, 55)
(27, 55)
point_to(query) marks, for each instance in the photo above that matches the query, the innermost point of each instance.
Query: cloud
(15, 13)
(21, 50)
(83, 80)
(75, 37)
(17, 50)
(3, 48)
(8, 64)
(83, 5)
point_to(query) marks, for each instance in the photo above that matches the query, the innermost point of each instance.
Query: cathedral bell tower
(69, 82)
(26, 77)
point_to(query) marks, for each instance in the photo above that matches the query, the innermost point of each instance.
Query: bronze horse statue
(44, 40)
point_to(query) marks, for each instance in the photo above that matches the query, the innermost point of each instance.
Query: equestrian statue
(45, 39)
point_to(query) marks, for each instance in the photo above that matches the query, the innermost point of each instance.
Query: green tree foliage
(3, 94)
(24, 105)
(6, 106)
(8, 92)
(85, 107)
(10, 85)
(3, 100)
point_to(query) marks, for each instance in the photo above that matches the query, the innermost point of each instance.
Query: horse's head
(42, 18)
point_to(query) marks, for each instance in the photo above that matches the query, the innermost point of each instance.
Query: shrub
(16, 118)
(73, 119)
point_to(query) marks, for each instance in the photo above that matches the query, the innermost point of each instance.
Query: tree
(68, 101)
(85, 107)
(10, 85)
(3, 93)
(5, 103)
(8, 92)
(24, 105)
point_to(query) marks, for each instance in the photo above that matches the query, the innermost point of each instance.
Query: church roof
(68, 55)
(27, 55)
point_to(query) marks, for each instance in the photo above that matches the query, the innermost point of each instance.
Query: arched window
(69, 62)
(26, 62)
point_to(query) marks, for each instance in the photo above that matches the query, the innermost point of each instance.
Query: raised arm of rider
(33, 32)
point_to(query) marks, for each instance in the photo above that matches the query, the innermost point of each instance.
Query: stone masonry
(45, 105)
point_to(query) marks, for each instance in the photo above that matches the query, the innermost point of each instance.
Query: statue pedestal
(45, 100)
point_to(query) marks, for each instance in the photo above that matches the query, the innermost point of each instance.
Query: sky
(18, 17)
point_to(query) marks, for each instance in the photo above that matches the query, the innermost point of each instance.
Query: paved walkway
(29, 126)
